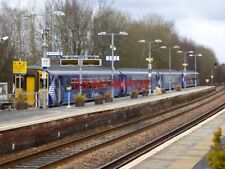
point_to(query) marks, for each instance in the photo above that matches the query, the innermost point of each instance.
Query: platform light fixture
(4, 38)
(112, 46)
(195, 55)
(45, 48)
(170, 48)
(185, 64)
(150, 59)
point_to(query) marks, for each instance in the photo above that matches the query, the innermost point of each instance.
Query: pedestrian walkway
(183, 151)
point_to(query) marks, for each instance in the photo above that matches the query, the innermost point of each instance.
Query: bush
(163, 90)
(107, 94)
(178, 88)
(21, 100)
(145, 92)
(79, 99)
(133, 94)
(108, 97)
(216, 156)
(21, 96)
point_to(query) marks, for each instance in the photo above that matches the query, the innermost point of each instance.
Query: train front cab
(32, 85)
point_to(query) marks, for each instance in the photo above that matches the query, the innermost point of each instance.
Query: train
(95, 81)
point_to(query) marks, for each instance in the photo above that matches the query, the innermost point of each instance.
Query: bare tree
(73, 29)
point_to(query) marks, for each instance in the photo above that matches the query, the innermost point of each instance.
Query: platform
(15, 119)
(23, 129)
(184, 151)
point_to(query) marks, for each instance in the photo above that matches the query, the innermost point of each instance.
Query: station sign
(19, 67)
(91, 62)
(54, 53)
(115, 58)
(84, 62)
(69, 62)
(45, 63)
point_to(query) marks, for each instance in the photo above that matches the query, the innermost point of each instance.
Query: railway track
(79, 148)
(126, 158)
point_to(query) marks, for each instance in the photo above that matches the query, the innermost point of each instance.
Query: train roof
(70, 70)
(56, 69)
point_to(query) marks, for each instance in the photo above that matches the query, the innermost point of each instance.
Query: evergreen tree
(216, 156)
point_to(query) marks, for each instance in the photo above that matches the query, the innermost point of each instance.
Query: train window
(108, 84)
(75, 84)
(42, 83)
(18, 81)
(88, 84)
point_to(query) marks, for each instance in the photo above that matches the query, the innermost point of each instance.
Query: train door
(59, 91)
(19, 84)
(30, 90)
(123, 85)
(159, 80)
(43, 77)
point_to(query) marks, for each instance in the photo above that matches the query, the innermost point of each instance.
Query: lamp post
(113, 49)
(4, 38)
(170, 48)
(45, 49)
(150, 59)
(185, 64)
(195, 55)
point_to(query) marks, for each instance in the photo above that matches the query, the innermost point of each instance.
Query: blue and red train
(96, 80)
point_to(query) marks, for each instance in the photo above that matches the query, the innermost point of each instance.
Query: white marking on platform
(164, 145)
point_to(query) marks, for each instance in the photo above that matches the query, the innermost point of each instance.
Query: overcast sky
(200, 20)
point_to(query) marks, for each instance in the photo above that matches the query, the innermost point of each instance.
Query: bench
(5, 105)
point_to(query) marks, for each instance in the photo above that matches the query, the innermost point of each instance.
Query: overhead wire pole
(113, 48)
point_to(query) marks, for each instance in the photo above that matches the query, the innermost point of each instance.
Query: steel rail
(125, 159)
(63, 161)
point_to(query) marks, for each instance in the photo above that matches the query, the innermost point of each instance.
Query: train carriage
(190, 78)
(138, 79)
(174, 78)
(95, 81)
